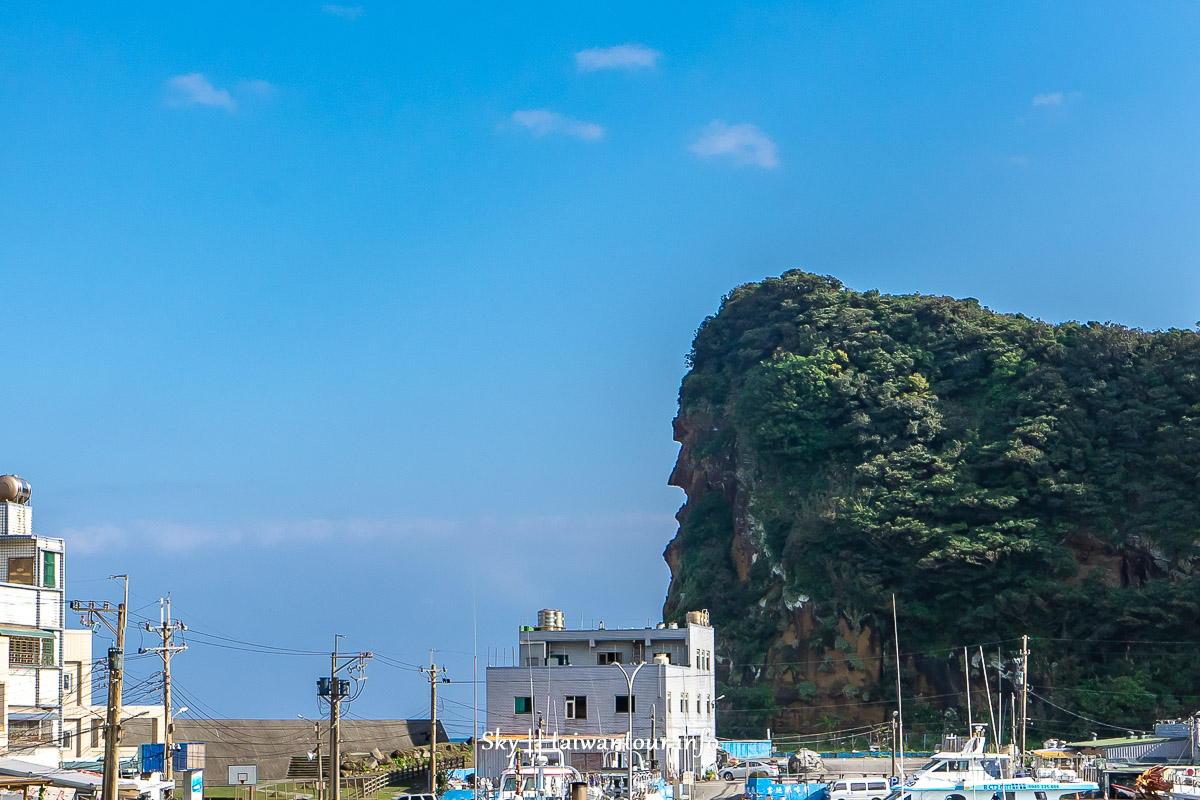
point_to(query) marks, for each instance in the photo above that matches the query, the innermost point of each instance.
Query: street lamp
(629, 739)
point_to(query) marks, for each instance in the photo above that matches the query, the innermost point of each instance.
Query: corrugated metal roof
(1122, 742)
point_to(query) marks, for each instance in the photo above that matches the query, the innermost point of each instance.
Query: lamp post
(629, 739)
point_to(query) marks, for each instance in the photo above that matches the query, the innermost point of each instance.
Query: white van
(859, 789)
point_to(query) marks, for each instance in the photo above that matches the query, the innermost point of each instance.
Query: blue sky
(353, 318)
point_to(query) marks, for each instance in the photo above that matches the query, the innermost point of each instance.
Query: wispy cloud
(622, 56)
(1048, 99)
(744, 144)
(541, 122)
(345, 12)
(174, 536)
(259, 88)
(1019, 161)
(196, 90)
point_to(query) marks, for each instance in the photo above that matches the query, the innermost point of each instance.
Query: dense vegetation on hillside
(1000, 475)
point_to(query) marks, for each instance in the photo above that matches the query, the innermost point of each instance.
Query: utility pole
(1024, 690)
(338, 689)
(93, 614)
(167, 630)
(435, 674)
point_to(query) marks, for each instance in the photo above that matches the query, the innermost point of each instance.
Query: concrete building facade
(567, 683)
(32, 610)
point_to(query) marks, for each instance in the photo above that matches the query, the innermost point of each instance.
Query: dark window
(523, 705)
(604, 659)
(560, 659)
(576, 707)
(26, 651)
(20, 570)
(624, 705)
(955, 797)
(1040, 795)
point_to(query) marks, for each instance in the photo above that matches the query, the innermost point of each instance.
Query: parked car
(415, 797)
(740, 770)
(859, 789)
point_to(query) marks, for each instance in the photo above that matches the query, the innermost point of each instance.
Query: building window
(709, 704)
(624, 706)
(698, 706)
(576, 706)
(30, 731)
(66, 740)
(523, 705)
(26, 651)
(49, 573)
(605, 659)
(68, 682)
(683, 702)
(560, 659)
(20, 570)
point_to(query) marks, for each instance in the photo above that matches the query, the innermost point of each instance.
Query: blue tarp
(741, 749)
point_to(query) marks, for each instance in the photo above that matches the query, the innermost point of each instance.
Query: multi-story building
(31, 630)
(570, 684)
(82, 737)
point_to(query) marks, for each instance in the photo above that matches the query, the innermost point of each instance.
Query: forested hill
(1001, 475)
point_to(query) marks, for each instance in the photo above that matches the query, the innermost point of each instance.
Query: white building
(566, 683)
(83, 721)
(31, 631)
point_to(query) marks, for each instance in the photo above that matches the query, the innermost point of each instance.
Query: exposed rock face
(997, 474)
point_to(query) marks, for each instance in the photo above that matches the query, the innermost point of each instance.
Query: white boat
(970, 773)
(537, 773)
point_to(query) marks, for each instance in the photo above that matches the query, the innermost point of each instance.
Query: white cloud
(195, 89)
(345, 12)
(1048, 99)
(540, 122)
(622, 56)
(744, 143)
(260, 88)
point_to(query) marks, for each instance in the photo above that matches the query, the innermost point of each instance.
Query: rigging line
(1085, 719)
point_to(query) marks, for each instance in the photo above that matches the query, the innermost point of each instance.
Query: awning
(28, 632)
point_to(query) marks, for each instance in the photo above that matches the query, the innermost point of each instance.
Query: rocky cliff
(999, 475)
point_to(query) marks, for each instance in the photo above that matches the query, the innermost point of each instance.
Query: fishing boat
(963, 770)
(537, 773)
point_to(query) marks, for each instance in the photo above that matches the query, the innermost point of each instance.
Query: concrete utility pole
(166, 629)
(435, 674)
(629, 741)
(93, 614)
(338, 690)
(1024, 691)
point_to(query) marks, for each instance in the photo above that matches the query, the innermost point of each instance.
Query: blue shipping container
(741, 749)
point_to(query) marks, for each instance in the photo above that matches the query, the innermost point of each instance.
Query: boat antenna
(474, 695)
(967, 680)
(899, 696)
(988, 688)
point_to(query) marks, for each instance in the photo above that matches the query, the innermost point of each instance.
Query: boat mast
(987, 687)
(899, 695)
(967, 683)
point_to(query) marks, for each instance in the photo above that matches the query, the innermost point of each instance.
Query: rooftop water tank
(14, 489)
(551, 619)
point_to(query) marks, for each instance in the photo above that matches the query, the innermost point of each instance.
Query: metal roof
(1124, 741)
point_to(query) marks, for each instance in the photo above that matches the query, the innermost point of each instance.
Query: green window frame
(523, 705)
(49, 571)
